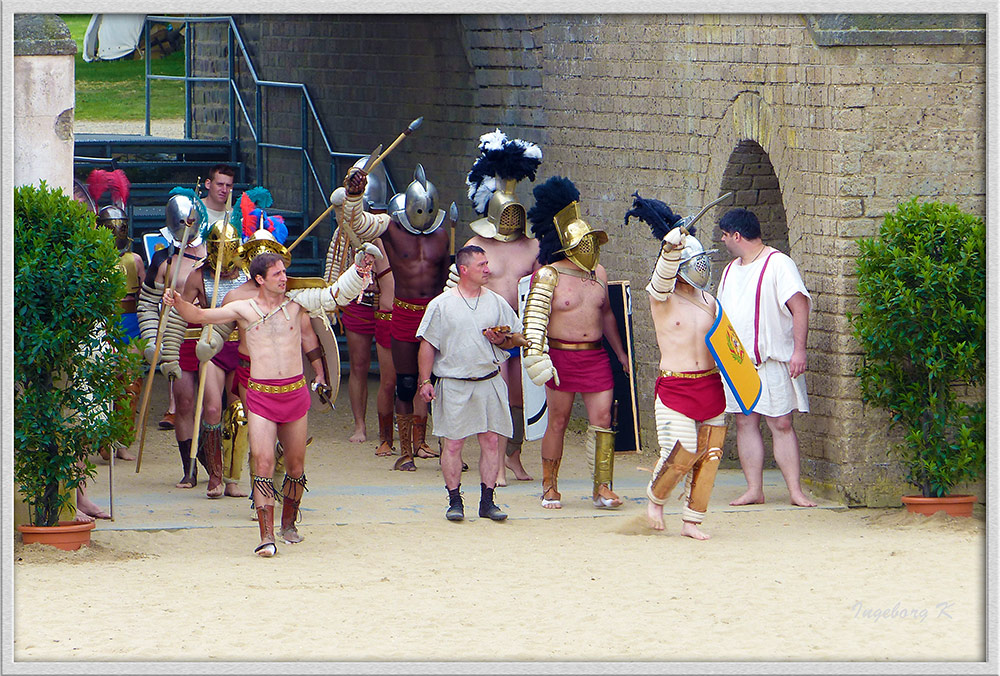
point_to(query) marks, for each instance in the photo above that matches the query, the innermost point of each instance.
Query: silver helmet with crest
(416, 208)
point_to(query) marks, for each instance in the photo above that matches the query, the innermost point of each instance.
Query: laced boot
(291, 490)
(420, 447)
(385, 434)
(487, 508)
(456, 510)
(405, 461)
(265, 521)
(212, 449)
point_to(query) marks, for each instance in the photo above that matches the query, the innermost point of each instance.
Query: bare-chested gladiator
(689, 400)
(502, 163)
(418, 251)
(567, 314)
(277, 399)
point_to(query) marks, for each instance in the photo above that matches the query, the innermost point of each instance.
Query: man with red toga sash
(567, 313)
(277, 399)
(690, 402)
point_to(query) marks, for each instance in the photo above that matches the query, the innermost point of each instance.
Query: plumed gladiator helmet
(492, 181)
(416, 208)
(376, 195)
(184, 209)
(260, 241)
(222, 247)
(114, 219)
(559, 229)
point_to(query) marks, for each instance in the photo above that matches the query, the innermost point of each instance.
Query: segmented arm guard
(537, 308)
(661, 284)
(173, 336)
(367, 226)
(452, 277)
(148, 313)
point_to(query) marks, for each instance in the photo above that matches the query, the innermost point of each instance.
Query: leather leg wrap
(550, 475)
(184, 448)
(420, 433)
(235, 442)
(134, 391)
(265, 521)
(211, 444)
(262, 492)
(601, 455)
(385, 428)
(669, 471)
(404, 421)
(517, 438)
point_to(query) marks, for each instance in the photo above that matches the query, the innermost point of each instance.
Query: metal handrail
(255, 126)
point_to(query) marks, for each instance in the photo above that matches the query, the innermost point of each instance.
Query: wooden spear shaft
(144, 406)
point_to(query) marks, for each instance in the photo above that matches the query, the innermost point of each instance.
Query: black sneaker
(491, 511)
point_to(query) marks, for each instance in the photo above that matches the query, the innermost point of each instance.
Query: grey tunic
(462, 408)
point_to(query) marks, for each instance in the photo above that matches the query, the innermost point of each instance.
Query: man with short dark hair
(769, 306)
(464, 334)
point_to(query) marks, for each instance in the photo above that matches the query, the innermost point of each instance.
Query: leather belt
(486, 377)
(408, 306)
(686, 374)
(563, 345)
(385, 316)
(244, 363)
(277, 389)
(127, 306)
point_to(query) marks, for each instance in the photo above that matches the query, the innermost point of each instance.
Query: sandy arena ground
(383, 577)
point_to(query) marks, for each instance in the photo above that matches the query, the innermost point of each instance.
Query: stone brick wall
(820, 141)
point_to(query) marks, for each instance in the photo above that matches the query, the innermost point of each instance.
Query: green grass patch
(116, 90)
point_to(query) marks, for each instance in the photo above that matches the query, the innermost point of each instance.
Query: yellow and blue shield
(735, 364)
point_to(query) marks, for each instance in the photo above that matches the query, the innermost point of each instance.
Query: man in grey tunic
(465, 334)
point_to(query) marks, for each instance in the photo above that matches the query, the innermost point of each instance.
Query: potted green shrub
(921, 323)
(70, 358)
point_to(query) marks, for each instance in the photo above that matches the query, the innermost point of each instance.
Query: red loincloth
(281, 407)
(697, 398)
(383, 329)
(581, 370)
(242, 375)
(405, 320)
(359, 318)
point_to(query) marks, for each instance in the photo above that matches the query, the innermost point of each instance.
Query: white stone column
(44, 96)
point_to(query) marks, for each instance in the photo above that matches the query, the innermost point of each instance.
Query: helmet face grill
(697, 271)
(512, 220)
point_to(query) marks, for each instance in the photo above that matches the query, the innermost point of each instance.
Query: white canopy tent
(112, 36)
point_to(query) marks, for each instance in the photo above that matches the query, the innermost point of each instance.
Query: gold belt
(234, 336)
(563, 345)
(685, 374)
(277, 389)
(192, 334)
(386, 316)
(408, 306)
(127, 306)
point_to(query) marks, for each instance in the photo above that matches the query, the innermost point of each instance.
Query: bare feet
(799, 499)
(90, 508)
(749, 498)
(214, 491)
(82, 518)
(233, 491)
(121, 453)
(689, 529)
(654, 513)
(360, 434)
(187, 482)
(502, 476)
(513, 463)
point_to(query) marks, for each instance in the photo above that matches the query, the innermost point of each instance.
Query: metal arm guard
(173, 336)
(537, 309)
(452, 277)
(710, 440)
(601, 455)
(661, 284)
(319, 301)
(148, 313)
(367, 226)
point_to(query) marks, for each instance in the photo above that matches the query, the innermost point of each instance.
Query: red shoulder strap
(756, 308)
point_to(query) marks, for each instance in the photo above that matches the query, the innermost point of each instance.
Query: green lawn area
(115, 90)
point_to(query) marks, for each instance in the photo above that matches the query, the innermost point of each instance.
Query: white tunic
(454, 326)
(774, 338)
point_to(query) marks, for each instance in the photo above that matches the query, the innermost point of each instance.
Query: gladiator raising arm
(320, 300)
(347, 202)
(661, 284)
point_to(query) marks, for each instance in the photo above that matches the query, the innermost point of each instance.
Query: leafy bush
(921, 322)
(71, 363)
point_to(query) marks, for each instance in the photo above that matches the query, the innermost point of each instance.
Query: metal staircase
(155, 164)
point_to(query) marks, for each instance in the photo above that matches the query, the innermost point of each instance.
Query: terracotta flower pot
(953, 505)
(68, 535)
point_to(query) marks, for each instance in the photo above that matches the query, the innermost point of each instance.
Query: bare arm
(311, 346)
(197, 315)
(425, 364)
(798, 305)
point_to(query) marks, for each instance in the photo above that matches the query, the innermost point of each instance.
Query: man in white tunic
(768, 304)
(464, 334)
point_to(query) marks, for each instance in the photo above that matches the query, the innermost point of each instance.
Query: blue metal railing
(237, 54)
